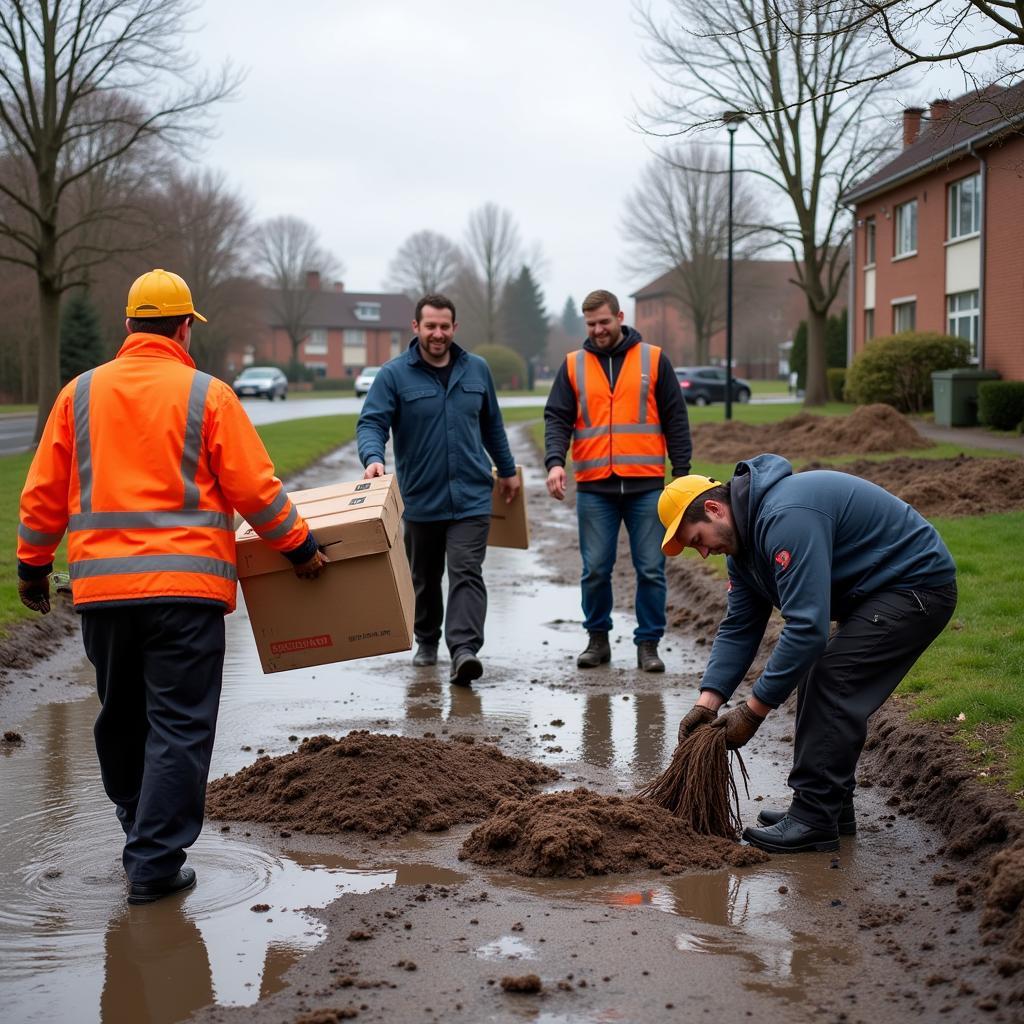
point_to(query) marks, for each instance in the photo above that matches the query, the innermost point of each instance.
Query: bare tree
(738, 56)
(83, 87)
(288, 250)
(426, 262)
(494, 249)
(676, 222)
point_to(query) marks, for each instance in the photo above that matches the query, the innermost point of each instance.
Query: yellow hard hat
(160, 293)
(674, 501)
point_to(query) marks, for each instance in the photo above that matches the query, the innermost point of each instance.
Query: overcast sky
(373, 120)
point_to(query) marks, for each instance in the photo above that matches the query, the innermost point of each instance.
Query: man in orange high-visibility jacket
(143, 462)
(618, 401)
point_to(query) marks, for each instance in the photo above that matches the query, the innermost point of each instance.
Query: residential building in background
(939, 240)
(346, 331)
(767, 309)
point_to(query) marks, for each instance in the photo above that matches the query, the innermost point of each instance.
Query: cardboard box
(363, 602)
(509, 526)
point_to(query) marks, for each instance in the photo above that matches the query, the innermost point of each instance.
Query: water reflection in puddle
(507, 947)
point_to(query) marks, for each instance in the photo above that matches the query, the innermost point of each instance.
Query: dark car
(702, 385)
(262, 381)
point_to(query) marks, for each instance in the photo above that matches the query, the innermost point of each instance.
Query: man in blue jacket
(820, 546)
(438, 402)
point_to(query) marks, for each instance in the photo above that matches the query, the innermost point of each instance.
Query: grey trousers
(872, 650)
(462, 543)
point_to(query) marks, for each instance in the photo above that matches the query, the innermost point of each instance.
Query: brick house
(767, 308)
(347, 331)
(939, 239)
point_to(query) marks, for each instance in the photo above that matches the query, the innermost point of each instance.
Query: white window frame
(869, 324)
(368, 311)
(905, 230)
(353, 351)
(316, 342)
(957, 229)
(870, 241)
(899, 308)
(960, 314)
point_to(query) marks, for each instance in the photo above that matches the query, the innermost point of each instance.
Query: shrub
(836, 377)
(507, 366)
(334, 383)
(835, 347)
(1001, 403)
(898, 370)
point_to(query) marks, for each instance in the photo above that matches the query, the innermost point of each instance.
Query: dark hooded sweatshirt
(561, 411)
(812, 545)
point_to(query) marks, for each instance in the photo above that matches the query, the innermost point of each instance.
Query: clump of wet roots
(698, 786)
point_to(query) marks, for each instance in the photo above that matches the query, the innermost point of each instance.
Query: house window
(869, 324)
(869, 242)
(368, 311)
(316, 342)
(963, 317)
(965, 207)
(397, 343)
(904, 316)
(906, 228)
(354, 350)
(317, 369)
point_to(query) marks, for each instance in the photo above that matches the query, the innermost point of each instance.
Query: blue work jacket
(445, 440)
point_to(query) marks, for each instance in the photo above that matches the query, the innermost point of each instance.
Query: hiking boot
(465, 668)
(426, 654)
(647, 656)
(788, 835)
(847, 819)
(598, 652)
(150, 892)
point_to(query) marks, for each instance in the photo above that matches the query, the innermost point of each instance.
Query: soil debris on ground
(526, 984)
(377, 784)
(575, 833)
(869, 428)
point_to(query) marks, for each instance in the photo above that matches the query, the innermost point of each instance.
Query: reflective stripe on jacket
(617, 428)
(143, 462)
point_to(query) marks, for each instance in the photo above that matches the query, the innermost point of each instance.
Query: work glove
(311, 569)
(697, 716)
(740, 723)
(35, 594)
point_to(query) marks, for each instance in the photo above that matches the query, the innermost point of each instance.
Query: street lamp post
(733, 119)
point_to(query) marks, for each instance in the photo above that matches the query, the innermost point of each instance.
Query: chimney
(939, 110)
(339, 286)
(911, 125)
(313, 280)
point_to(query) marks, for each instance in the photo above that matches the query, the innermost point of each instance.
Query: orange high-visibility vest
(617, 429)
(143, 462)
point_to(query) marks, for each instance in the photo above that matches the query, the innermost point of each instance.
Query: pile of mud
(963, 486)
(375, 784)
(869, 428)
(577, 833)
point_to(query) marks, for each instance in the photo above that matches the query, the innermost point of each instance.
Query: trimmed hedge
(507, 366)
(835, 377)
(1001, 403)
(898, 370)
(334, 383)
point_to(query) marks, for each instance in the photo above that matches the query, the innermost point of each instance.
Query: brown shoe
(598, 652)
(647, 656)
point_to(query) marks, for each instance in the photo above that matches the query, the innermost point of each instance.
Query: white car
(365, 379)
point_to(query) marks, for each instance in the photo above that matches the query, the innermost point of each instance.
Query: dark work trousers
(867, 656)
(463, 544)
(158, 675)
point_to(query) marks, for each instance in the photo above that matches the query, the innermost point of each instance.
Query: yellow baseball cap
(674, 501)
(160, 293)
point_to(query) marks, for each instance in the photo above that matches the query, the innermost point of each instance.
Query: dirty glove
(35, 594)
(697, 716)
(311, 569)
(739, 724)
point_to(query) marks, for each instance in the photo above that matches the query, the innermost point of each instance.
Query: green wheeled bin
(955, 395)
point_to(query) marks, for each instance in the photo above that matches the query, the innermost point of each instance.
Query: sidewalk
(972, 437)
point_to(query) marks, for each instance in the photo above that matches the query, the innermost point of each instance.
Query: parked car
(365, 379)
(262, 381)
(702, 385)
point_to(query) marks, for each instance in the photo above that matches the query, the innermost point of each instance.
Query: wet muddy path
(287, 927)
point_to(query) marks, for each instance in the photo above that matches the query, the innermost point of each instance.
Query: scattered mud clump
(375, 784)
(869, 428)
(963, 486)
(577, 833)
(12, 737)
(330, 1016)
(526, 984)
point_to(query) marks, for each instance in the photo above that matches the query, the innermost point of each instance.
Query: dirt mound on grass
(963, 486)
(869, 428)
(577, 833)
(375, 784)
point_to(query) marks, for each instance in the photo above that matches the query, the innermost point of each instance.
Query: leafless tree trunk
(83, 85)
(493, 246)
(738, 56)
(676, 222)
(426, 263)
(287, 250)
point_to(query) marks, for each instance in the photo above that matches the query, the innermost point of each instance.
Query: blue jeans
(599, 517)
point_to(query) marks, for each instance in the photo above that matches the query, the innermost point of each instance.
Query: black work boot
(598, 652)
(788, 835)
(465, 668)
(426, 654)
(150, 892)
(647, 656)
(847, 818)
